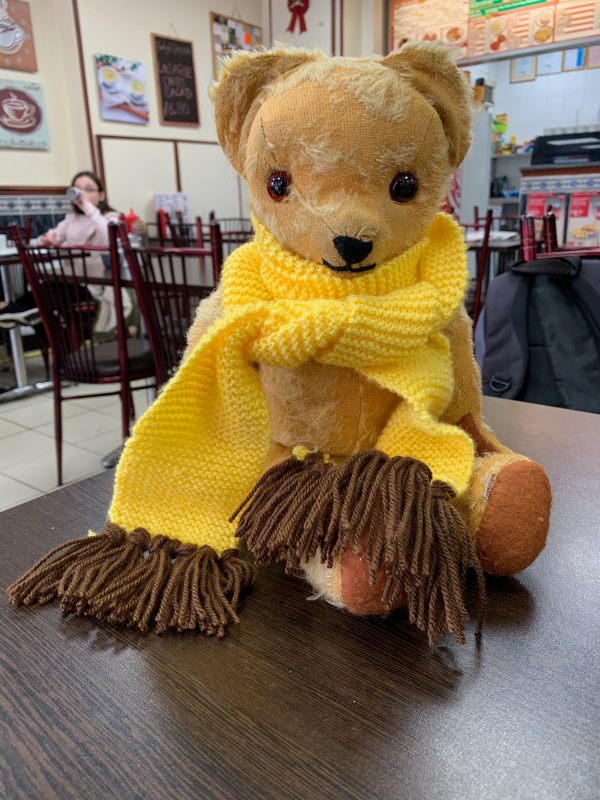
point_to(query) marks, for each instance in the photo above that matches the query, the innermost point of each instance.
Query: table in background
(8, 259)
(303, 701)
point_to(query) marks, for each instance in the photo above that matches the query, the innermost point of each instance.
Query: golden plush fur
(342, 128)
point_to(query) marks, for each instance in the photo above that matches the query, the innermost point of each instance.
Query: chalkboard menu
(176, 81)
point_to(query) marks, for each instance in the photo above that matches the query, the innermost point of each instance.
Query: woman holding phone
(86, 224)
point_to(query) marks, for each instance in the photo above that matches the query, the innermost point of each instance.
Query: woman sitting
(86, 224)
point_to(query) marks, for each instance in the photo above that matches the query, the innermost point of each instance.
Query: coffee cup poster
(23, 116)
(123, 89)
(16, 36)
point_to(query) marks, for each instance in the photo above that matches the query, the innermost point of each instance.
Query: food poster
(583, 227)
(577, 19)
(497, 31)
(494, 26)
(229, 34)
(23, 116)
(123, 90)
(430, 21)
(17, 50)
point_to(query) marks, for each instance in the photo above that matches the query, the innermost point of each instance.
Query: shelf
(504, 201)
(512, 155)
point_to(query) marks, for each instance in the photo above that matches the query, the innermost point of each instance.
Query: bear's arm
(465, 407)
(209, 310)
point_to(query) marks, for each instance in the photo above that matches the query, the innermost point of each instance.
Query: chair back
(60, 279)
(182, 234)
(530, 250)
(483, 258)
(168, 286)
(225, 235)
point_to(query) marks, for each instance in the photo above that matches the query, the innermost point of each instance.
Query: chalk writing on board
(176, 81)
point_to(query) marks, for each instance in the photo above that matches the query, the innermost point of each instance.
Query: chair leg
(58, 425)
(131, 407)
(125, 410)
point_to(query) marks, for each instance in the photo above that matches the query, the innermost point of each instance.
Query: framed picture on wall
(573, 59)
(229, 34)
(549, 63)
(23, 116)
(522, 69)
(175, 81)
(122, 89)
(592, 59)
(17, 50)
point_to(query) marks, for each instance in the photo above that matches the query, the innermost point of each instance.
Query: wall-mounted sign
(16, 36)
(583, 228)
(22, 116)
(487, 27)
(123, 90)
(229, 34)
(175, 81)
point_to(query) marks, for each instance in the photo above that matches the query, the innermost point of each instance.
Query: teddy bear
(327, 408)
(343, 137)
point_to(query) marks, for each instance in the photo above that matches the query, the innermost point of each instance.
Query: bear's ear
(243, 76)
(430, 68)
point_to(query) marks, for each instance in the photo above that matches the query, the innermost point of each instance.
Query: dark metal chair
(59, 277)
(225, 234)
(168, 285)
(483, 260)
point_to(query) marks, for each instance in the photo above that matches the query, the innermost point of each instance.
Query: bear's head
(346, 160)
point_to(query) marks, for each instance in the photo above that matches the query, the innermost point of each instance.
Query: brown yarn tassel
(300, 508)
(140, 581)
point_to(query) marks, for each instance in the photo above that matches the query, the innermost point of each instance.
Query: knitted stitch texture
(199, 449)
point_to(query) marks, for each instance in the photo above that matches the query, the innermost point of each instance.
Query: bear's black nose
(353, 251)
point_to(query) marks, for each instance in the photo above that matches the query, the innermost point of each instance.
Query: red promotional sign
(580, 205)
(298, 9)
(536, 205)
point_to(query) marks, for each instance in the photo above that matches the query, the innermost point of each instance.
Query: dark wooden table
(303, 701)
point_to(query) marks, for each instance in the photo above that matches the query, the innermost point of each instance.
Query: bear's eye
(278, 185)
(403, 187)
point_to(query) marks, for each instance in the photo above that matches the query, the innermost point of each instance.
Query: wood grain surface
(304, 701)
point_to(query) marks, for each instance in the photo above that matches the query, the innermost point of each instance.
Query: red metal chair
(483, 260)
(225, 235)
(59, 277)
(168, 286)
(181, 234)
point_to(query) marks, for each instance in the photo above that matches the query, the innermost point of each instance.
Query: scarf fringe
(389, 506)
(140, 581)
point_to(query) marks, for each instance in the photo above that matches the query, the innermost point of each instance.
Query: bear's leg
(421, 529)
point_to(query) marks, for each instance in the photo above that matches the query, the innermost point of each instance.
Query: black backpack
(538, 336)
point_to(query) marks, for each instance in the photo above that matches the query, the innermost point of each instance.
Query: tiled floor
(91, 429)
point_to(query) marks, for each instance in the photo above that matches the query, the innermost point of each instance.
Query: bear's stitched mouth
(349, 267)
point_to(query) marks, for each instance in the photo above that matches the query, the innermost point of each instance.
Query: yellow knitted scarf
(202, 445)
(165, 559)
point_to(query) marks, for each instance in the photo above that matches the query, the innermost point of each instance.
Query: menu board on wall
(175, 81)
(430, 20)
(494, 26)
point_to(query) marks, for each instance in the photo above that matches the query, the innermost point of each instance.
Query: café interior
(126, 229)
(125, 108)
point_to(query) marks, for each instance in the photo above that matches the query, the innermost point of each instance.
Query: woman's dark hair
(103, 204)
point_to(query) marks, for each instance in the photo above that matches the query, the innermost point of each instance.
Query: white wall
(134, 171)
(565, 99)
(123, 28)
(58, 75)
